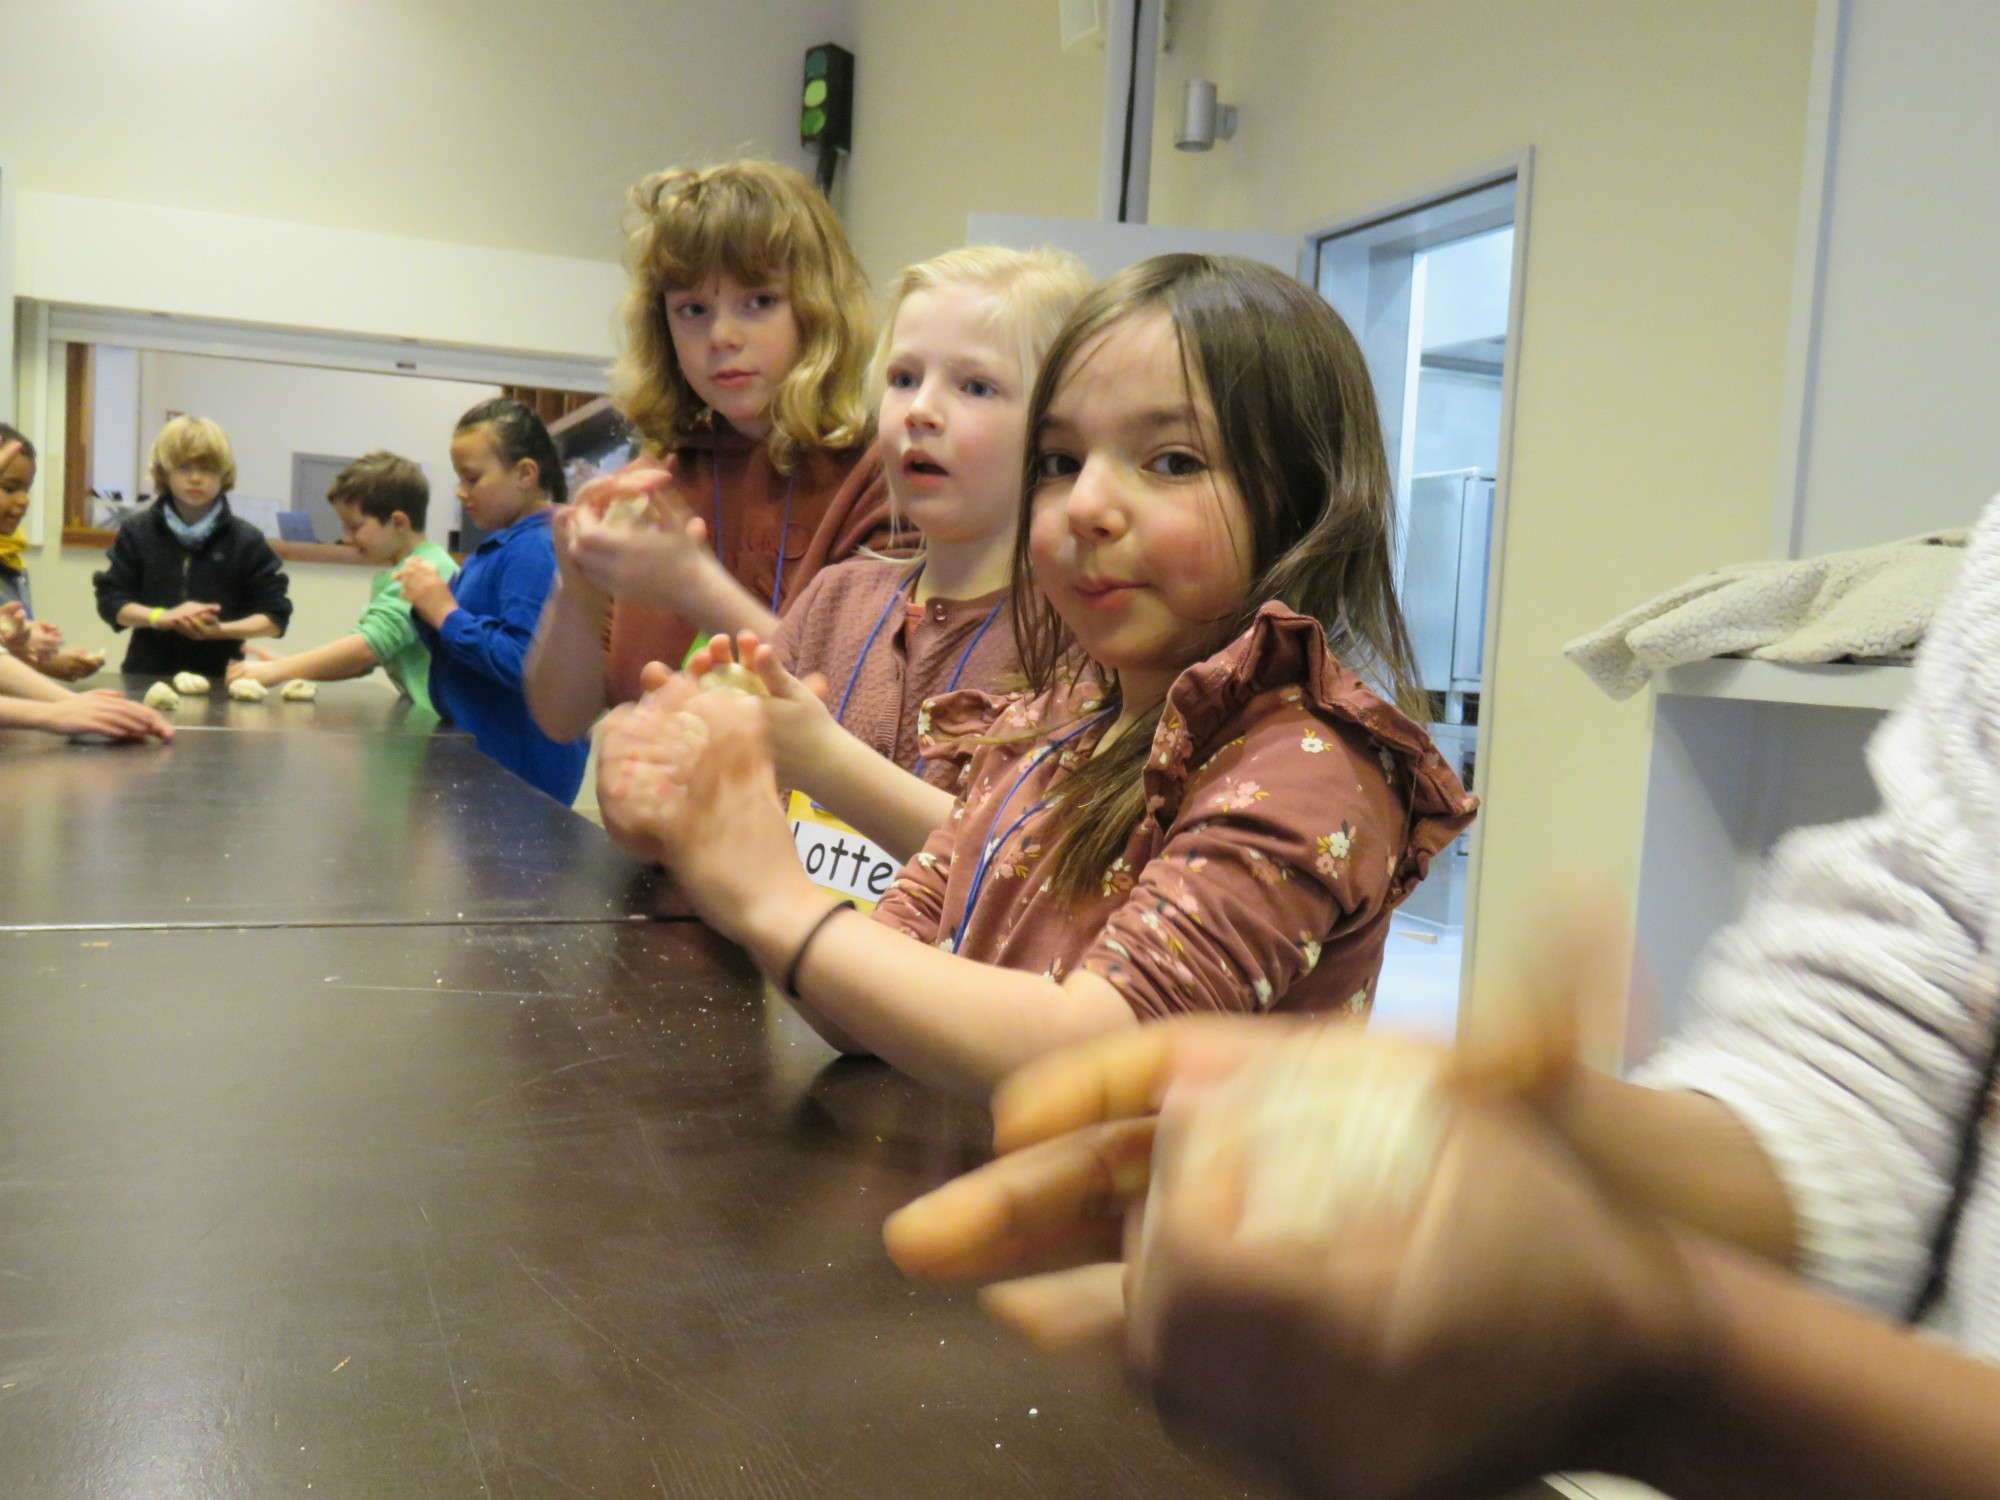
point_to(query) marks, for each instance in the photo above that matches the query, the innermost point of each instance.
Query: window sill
(318, 552)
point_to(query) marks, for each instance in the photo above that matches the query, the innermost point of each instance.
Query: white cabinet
(1742, 752)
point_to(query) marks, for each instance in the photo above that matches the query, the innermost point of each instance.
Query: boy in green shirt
(382, 500)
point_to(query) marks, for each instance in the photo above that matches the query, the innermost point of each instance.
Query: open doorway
(1430, 289)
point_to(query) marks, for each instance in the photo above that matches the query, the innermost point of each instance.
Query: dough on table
(193, 684)
(298, 690)
(248, 690)
(161, 696)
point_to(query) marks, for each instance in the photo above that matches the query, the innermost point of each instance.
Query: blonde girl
(1198, 803)
(956, 364)
(744, 369)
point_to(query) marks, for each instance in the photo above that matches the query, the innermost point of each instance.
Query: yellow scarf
(13, 547)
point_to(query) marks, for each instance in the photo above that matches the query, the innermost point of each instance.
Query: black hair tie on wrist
(799, 954)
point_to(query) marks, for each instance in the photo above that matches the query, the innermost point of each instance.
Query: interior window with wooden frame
(295, 416)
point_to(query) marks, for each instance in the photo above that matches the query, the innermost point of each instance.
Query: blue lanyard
(882, 619)
(903, 590)
(784, 531)
(993, 845)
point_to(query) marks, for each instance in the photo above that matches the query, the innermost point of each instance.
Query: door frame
(1518, 167)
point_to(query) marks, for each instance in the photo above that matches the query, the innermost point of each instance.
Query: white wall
(516, 126)
(1902, 436)
(274, 411)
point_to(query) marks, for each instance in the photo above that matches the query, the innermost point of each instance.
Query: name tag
(836, 858)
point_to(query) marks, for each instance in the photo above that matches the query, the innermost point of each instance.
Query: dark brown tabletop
(488, 1211)
(357, 1138)
(305, 826)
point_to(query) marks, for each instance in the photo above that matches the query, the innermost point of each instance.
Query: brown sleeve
(1285, 845)
(914, 904)
(856, 516)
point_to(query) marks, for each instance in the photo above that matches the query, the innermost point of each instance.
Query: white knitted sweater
(1846, 1017)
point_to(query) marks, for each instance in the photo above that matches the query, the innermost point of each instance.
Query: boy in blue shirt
(478, 628)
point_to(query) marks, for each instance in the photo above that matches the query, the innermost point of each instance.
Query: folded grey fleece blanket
(1873, 601)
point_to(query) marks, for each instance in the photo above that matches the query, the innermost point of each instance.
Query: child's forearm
(434, 610)
(336, 661)
(249, 627)
(954, 1023)
(882, 801)
(720, 605)
(135, 616)
(564, 677)
(20, 681)
(1794, 1393)
(1683, 1156)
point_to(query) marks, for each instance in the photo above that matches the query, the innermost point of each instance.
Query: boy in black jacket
(188, 578)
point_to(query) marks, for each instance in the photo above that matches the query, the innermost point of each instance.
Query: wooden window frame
(79, 375)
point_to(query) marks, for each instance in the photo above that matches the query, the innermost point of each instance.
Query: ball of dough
(191, 683)
(248, 690)
(298, 690)
(733, 676)
(161, 696)
(633, 510)
(1327, 1134)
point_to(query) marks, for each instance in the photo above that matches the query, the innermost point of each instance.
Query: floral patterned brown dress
(1289, 809)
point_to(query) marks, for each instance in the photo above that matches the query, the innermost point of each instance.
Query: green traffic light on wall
(826, 112)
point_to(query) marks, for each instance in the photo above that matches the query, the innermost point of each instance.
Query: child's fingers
(9, 451)
(1122, 1075)
(672, 694)
(1065, 1311)
(1057, 1203)
(639, 477)
(653, 675)
(771, 672)
(736, 731)
(672, 515)
(1567, 984)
